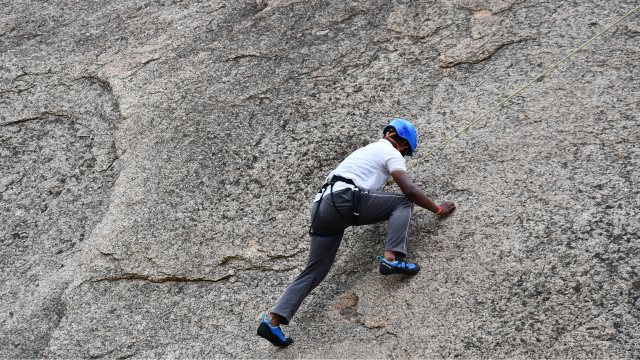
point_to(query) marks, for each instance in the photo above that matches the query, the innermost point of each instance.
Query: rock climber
(351, 196)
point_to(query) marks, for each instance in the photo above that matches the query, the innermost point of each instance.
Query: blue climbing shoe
(400, 266)
(273, 334)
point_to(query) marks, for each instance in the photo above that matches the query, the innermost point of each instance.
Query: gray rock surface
(158, 160)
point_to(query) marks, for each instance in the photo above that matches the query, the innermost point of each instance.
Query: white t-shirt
(369, 167)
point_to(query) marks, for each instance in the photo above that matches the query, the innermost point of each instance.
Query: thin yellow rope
(391, 182)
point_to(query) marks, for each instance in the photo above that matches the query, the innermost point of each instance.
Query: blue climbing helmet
(406, 131)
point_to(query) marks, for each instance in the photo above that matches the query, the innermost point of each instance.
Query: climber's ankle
(390, 256)
(275, 319)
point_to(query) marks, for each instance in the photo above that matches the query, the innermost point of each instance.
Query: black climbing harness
(357, 197)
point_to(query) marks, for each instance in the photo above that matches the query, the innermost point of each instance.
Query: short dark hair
(399, 139)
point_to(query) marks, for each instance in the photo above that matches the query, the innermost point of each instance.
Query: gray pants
(328, 229)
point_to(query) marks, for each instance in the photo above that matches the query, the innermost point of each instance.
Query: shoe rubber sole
(265, 331)
(386, 269)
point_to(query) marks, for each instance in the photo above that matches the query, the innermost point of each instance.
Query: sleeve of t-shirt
(393, 160)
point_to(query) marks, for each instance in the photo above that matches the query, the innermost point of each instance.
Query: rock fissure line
(160, 279)
(17, 91)
(43, 114)
(114, 161)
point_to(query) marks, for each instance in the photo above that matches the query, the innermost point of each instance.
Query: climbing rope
(391, 182)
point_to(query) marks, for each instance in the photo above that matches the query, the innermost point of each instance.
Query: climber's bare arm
(411, 191)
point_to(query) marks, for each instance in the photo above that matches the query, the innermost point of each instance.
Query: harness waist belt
(357, 197)
(334, 179)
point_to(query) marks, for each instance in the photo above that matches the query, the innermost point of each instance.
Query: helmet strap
(396, 145)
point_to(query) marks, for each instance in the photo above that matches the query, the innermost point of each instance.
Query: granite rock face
(158, 161)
